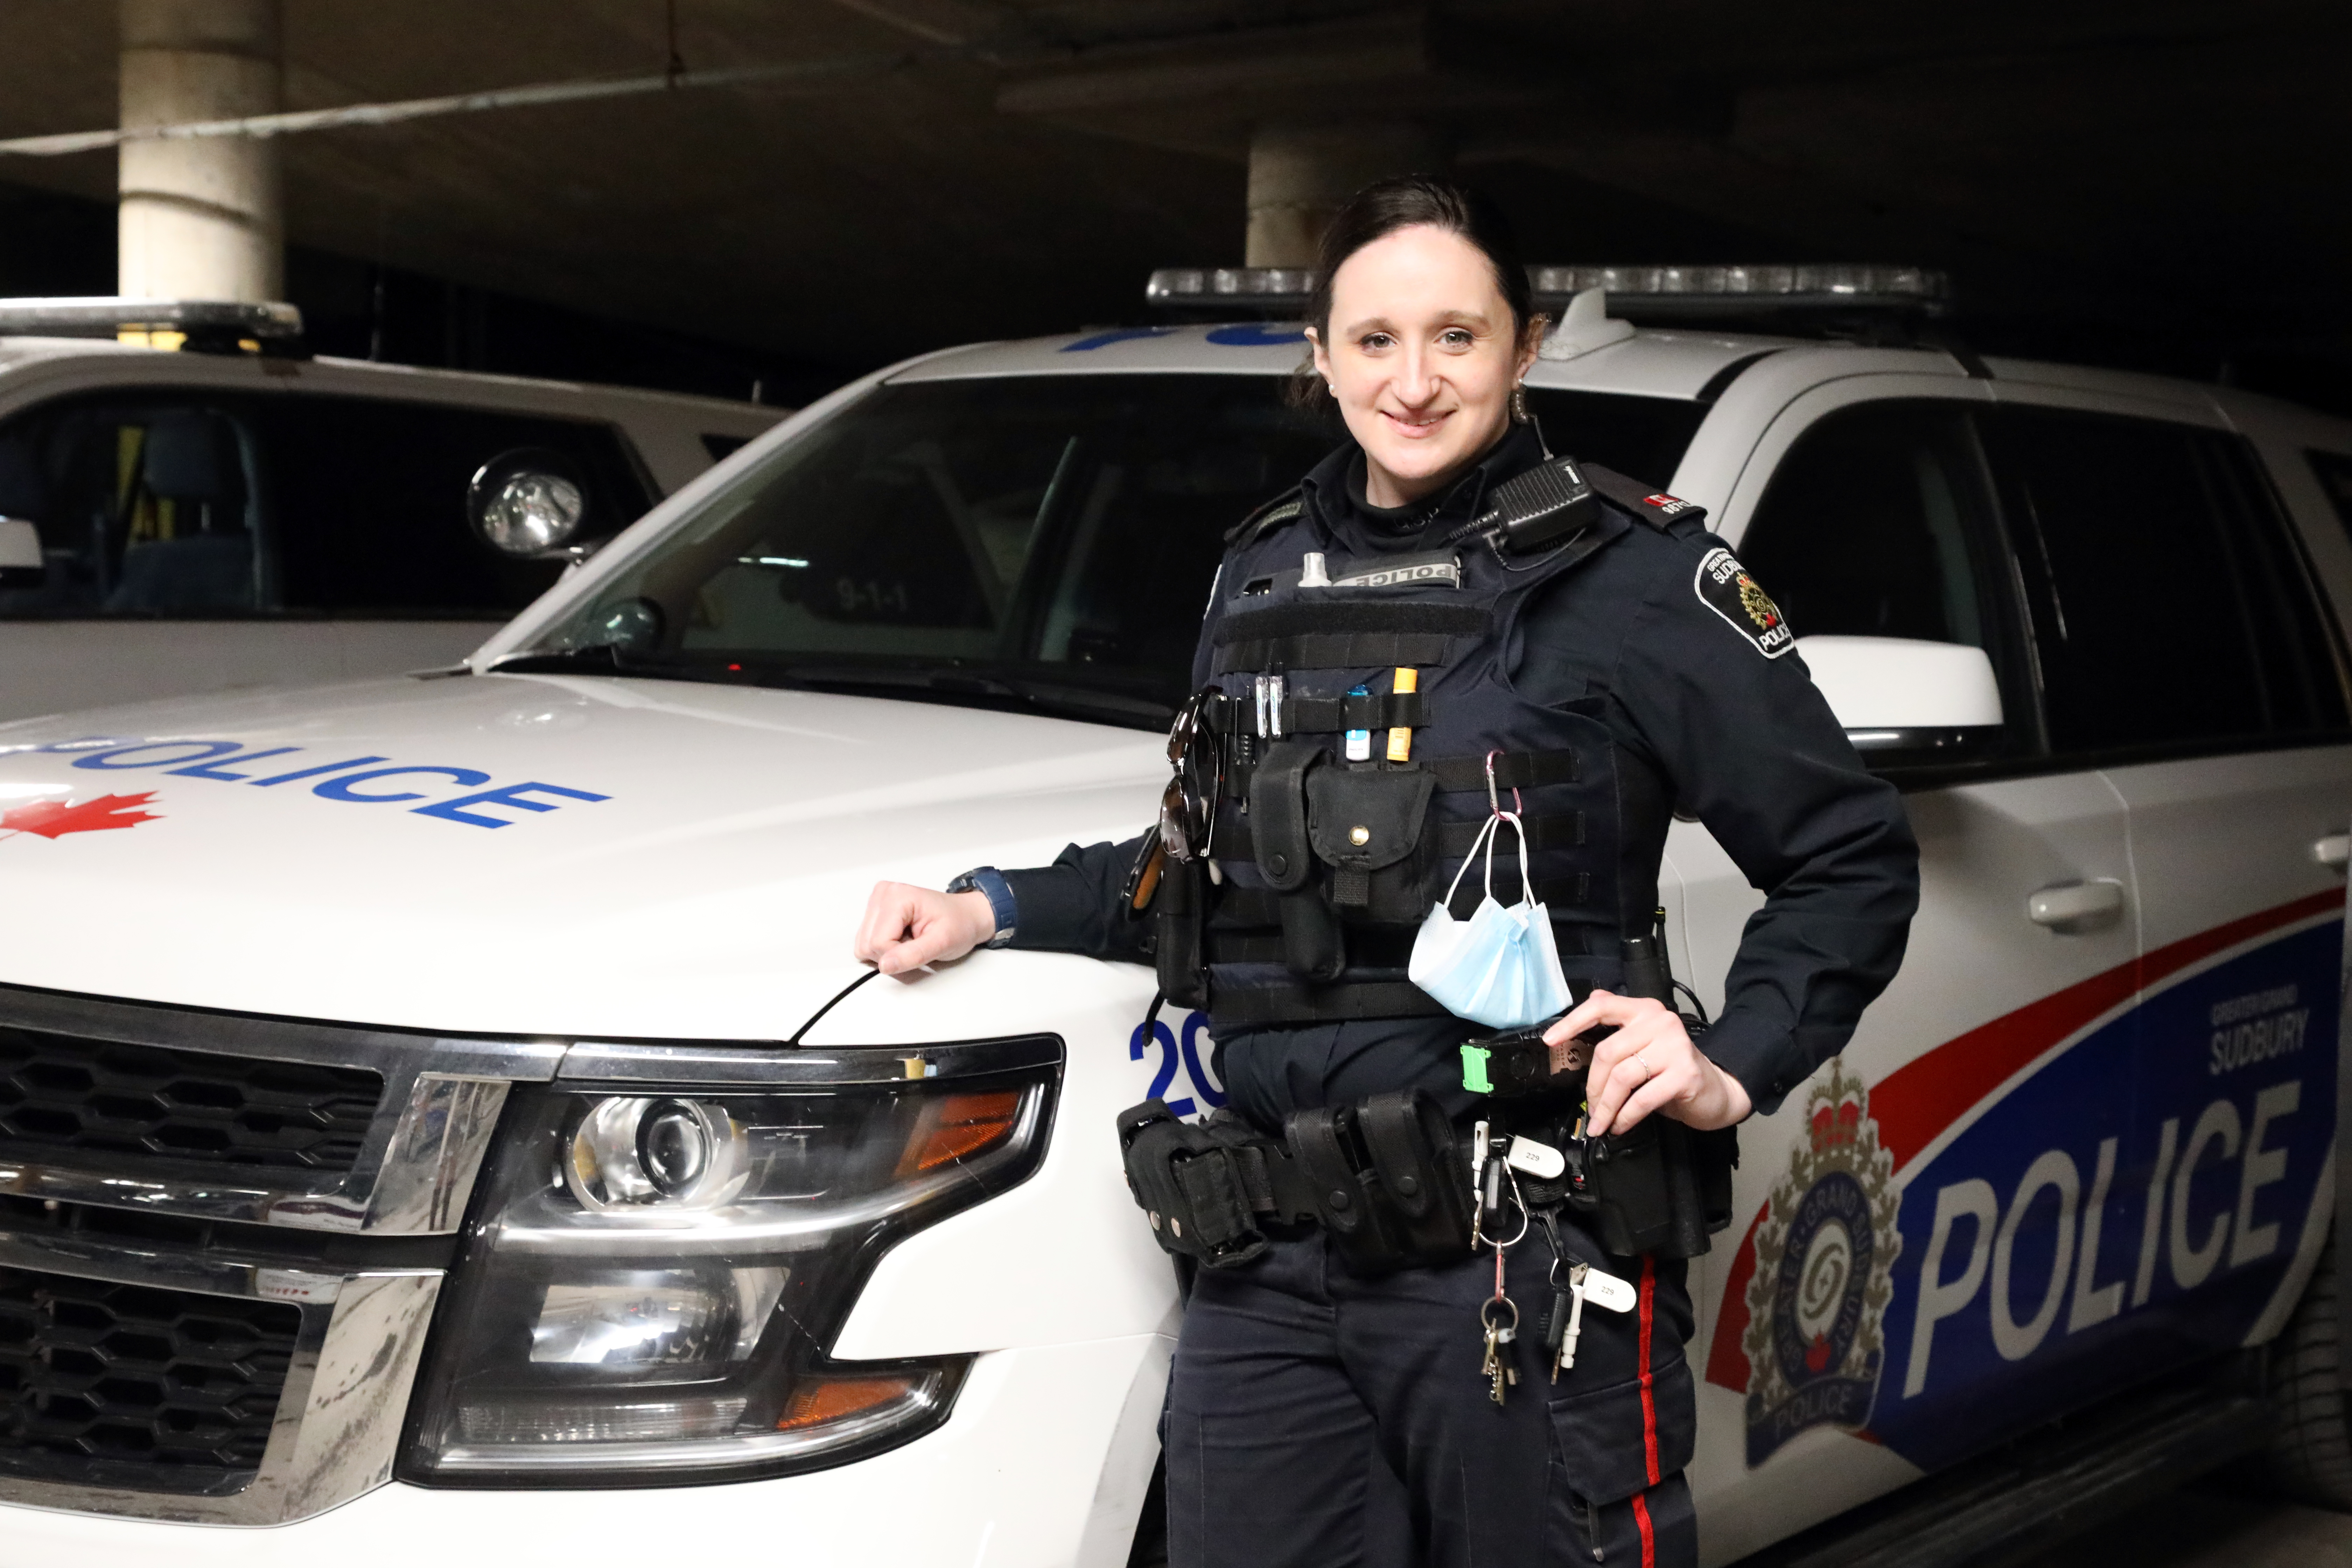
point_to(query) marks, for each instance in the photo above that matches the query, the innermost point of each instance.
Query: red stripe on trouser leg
(1649, 1402)
(1649, 1541)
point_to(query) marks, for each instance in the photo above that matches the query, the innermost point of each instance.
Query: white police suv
(440, 1114)
(242, 514)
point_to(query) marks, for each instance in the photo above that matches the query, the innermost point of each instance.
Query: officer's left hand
(1649, 1063)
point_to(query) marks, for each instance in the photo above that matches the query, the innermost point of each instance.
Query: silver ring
(1647, 1071)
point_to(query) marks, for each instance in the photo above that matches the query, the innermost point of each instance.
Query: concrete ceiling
(2173, 168)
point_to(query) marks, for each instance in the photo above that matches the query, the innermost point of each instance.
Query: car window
(1641, 437)
(2334, 471)
(2170, 607)
(1058, 529)
(1877, 522)
(369, 503)
(150, 507)
(1053, 520)
(203, 504)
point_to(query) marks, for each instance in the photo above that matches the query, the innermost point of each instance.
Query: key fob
(1538, 1160)
(1607, 1291)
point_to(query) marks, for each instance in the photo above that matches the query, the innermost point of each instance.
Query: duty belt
(1385, 1176)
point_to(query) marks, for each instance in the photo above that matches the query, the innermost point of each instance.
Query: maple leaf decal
(55, 818)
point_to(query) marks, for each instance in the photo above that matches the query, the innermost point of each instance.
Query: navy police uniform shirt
(1700, 684)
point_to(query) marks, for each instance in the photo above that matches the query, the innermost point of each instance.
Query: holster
(1659, 1188)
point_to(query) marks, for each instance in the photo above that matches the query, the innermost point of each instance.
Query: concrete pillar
(1301, 174)
(200, 220)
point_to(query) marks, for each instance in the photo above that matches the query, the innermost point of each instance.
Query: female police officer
(1610, 678)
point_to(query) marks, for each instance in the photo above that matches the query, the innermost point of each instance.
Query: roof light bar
(1838, 286)
(1632, 291)
(1187, 286)
(105, 317)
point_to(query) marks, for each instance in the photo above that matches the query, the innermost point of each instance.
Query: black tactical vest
(1326, 863)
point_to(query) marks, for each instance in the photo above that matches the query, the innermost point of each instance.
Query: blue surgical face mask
(1501, 966)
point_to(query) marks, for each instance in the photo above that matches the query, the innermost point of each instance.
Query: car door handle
(2332, 851)
(2072, 909)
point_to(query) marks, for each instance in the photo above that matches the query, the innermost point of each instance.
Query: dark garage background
(2156, 184)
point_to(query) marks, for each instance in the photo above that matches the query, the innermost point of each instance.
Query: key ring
(1518, 1203)
(1478, 1236)
(1489, 1324)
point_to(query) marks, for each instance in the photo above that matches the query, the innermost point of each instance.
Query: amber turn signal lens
(833, 1399)
(958, 1126)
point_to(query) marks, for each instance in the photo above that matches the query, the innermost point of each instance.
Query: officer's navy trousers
(1317, 1418)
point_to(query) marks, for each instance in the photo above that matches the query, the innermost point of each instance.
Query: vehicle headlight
(656, 1270)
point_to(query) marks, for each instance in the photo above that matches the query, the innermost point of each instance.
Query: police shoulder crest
(1724, 585)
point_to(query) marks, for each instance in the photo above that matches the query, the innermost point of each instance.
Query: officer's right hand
(1649, 1062)
(907, 927)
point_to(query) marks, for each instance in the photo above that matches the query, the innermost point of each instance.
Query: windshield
(1043, 542)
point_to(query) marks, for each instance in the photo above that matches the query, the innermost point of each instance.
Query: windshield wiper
(997, 688)
(1146, 711)
(946, 683)
(602, 659)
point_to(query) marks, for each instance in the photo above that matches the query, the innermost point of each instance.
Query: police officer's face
(1422, 358)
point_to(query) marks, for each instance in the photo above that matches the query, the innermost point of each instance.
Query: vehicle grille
(100, 1095)
(180, 1388)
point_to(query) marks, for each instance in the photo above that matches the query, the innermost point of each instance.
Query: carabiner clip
(1494, 799)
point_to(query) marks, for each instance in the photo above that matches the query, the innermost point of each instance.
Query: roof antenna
(676, 69)
(1584, 326)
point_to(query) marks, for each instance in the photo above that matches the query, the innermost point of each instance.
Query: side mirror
(529, 504)
(1904, 700)
(21, 562)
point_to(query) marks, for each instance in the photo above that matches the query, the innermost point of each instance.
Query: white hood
(711, 893)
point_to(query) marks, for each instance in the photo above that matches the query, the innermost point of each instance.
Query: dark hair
(1380, 210)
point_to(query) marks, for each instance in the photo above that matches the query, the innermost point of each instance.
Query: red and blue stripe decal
(2130, 1203)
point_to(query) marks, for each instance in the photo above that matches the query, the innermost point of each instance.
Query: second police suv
(441, 1109)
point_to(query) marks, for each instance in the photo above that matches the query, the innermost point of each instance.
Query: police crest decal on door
(1824, 1255)
(1723, 586)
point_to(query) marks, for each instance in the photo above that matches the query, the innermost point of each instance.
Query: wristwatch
(988, 880)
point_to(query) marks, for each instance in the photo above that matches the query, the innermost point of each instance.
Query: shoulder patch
(1723, 586)
(1268, 518)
